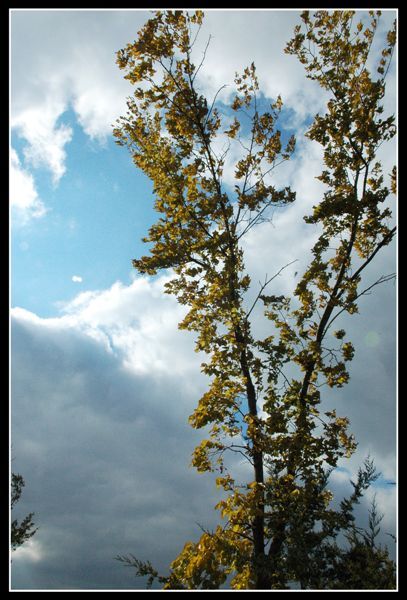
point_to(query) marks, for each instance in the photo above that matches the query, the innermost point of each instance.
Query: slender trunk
(260, 558)
(262, 578)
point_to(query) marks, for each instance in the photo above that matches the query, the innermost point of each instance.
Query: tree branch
(382, 279)
(266, 283)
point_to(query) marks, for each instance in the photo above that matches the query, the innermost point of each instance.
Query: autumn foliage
(264, 395)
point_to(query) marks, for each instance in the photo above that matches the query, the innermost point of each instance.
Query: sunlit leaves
(174, 134)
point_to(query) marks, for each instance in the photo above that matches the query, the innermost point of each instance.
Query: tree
(254, 405)
(23, 531)
(364, 564)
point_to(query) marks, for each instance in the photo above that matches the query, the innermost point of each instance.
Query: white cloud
(66, 59)
(72, 54)
(77, 279)
(137, 323)
(31, 551)
(61, 60)
(240, 37)
(45, 140)
(140, 323)
(24, 199)
(286, 238)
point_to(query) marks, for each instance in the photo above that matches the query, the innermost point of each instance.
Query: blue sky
(96, 218)
(102, 381)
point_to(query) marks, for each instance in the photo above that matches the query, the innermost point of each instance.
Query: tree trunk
(260, 558)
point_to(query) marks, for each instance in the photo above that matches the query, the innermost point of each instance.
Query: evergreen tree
(23, 530)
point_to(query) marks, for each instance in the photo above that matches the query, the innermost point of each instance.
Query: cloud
(384, 495)
(101, 397)
(102, 438)
(63, 60)
(45, 140)
(72, 54)
(77, 279)
(31, 551)
(262, 42)
(66, 60)
(137, 322)
(25, 202)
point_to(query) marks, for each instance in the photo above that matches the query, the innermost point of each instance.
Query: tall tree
(255, 406)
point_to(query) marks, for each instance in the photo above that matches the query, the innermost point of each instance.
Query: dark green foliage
(24, 530)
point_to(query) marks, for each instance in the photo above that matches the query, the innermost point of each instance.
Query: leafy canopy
(264, 396)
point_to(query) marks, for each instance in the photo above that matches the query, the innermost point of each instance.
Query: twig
(265, 284)
(213, 102)
(382, 279)
(204, 53)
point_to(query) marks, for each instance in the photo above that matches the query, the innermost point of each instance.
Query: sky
(102, 381)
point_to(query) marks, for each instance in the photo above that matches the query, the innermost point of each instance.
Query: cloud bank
(101, 397)
(100, 434)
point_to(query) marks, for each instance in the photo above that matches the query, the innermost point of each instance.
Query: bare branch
(213, 103)
(382, 279)
(204, 53)
(266, 283)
